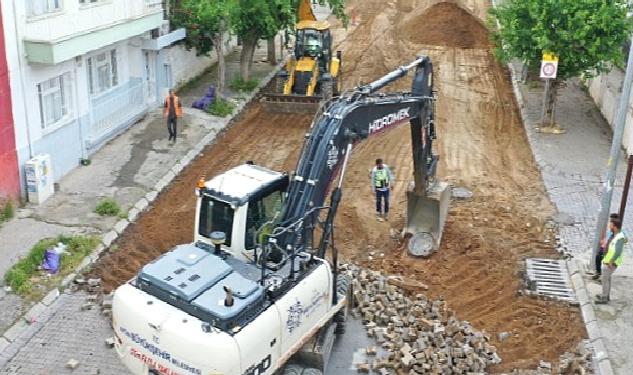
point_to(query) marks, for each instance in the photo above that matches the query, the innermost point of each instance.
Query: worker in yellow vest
(612, 259)
(381, 182)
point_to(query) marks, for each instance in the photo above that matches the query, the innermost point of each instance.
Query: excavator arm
(344, 122)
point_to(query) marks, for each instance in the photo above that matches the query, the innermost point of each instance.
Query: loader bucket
(291, 103)
(426, 215)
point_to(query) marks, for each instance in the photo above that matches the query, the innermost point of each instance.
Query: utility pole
(607, 194)
(627, 184)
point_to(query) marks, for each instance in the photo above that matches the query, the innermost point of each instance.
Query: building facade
(81, 72)
(9, 176)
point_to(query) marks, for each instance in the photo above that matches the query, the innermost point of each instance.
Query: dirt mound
(446, 24)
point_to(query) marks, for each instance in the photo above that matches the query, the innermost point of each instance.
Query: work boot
(386, 217)
(378, 217)
(601, 300)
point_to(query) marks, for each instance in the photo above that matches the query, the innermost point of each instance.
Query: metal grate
(549, 278)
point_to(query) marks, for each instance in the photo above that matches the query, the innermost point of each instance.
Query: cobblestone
(68, 334)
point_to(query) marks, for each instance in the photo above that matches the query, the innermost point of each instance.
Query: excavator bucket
(291, 103)
(426, 215)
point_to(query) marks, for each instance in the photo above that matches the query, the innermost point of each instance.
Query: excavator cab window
(259, 218)
(216, 215)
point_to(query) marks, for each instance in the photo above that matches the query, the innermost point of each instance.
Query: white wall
(185, 65)
(75, 18)
(605, 90)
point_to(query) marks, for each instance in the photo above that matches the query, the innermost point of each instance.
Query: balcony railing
(116, 111)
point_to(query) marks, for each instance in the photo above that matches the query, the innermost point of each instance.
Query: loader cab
(243, 203)
(314, 40)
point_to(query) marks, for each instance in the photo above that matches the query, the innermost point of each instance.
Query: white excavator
(258, 292)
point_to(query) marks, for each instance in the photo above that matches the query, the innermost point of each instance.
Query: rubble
(419, 335)
(72, 364)
(576, 362)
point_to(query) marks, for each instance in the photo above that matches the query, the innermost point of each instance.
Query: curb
(602, 363)
(14, 333)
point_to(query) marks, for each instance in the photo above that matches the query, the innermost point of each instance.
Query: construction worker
(603, 249)
(612, 259)
(173, 110)
(381, 180)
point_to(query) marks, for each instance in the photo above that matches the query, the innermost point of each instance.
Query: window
(102, 72)
(55, 100)
(88, 2)
(259, 216)
(215, 216)
(39, 7)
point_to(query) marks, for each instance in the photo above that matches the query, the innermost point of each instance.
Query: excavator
(312, 74)
(258, 292)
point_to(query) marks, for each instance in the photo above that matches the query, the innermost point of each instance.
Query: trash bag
(52, 258)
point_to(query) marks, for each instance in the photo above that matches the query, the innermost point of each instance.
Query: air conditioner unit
(39, 178)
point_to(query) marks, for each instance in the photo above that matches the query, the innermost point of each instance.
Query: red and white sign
(549, 66)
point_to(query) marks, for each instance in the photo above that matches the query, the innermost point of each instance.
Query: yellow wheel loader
(312, 74)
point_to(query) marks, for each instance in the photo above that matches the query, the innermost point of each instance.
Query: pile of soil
(446, 24)
(482, 146)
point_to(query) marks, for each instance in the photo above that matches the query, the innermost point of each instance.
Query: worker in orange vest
(173, 110)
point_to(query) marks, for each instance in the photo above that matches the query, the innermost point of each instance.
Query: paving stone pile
(416, 335)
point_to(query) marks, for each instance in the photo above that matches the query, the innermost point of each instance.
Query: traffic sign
(549, 65)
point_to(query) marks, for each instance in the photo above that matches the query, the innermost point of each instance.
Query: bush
(20, 277)
(108, 207)
(238, 84)
(7, 211)
(221, 107)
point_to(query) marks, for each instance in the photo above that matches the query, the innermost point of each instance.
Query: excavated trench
(482, 147)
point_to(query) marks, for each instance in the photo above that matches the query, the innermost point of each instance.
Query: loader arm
(345, 121)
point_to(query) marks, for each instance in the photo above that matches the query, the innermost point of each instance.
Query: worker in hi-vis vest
(173, 110)
(381, 182)
(612, 259)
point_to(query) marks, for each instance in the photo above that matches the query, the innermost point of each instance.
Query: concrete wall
(9, 175)
(185, 65)
(605, 90)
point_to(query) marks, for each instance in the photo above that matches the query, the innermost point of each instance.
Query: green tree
(253, 20)
(587, 35)
(207, 23)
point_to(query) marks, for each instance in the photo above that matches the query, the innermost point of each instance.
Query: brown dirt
(446, 24)
(482, 147)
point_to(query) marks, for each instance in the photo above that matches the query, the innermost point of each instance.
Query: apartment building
(81, 72)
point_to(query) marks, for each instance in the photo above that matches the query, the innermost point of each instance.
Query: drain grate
(549, 278)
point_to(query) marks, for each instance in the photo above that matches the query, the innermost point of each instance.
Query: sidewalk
(126, 169)
(573, 166)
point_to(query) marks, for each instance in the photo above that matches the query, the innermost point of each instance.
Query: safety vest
(381, 178)
(611, 252)
(176, 103)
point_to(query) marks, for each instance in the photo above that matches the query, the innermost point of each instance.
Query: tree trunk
(272, 57)
(246, 56)
(218, 44)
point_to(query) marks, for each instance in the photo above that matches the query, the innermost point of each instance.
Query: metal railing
(109, 114)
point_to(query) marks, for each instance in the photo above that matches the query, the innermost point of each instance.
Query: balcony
(78, 29)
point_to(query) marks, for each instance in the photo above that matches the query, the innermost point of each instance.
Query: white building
(82, 71)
